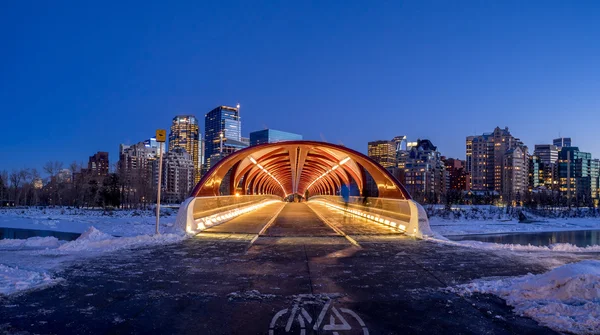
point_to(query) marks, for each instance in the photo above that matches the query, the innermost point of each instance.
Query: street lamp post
(221, 143)
(161, 137)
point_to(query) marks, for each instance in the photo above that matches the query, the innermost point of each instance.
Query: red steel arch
(290, 167)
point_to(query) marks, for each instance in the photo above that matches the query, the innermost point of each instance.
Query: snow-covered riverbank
(31, 263)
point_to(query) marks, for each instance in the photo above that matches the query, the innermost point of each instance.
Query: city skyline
(364, 149)
(429, 70)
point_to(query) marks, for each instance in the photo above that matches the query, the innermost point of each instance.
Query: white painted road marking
(337, 323)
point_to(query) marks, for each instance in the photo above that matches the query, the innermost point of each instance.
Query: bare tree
(34, 176)
(3, 185)
(17, 177)
(53, 168)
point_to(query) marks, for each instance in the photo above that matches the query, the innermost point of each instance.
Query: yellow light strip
(209, 221)
(268, 173)
(342, 162)
(365, 215)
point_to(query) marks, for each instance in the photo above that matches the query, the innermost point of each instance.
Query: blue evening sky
(80, 76)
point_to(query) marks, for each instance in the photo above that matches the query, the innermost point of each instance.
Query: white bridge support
(199, 213)
(407, 216)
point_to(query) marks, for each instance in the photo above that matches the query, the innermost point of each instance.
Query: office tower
(151, 143)
(400, 143)
(577, 175)
(562, 142)
(425, 172)
(185, 134)
(595, 178)
(547, 156)
(535, 173)
(459, 179)
(383, 152)
(177, 175)
(486, 157)
(272, 136)
(222, 133)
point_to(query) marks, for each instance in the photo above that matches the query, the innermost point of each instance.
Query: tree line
(74, 186)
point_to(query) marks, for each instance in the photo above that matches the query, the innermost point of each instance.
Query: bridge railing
(407, 216)
(199, 213)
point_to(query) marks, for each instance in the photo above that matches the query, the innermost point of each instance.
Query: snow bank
(117, 222)
(95, 240)
(566, 299)
(30, 243)
(557, 247)
(14, 279)
(25, 253)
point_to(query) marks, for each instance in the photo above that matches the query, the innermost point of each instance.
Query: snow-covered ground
(31, 263)
(483, 224)
(466, 220)
(118, 222)
(566, 299)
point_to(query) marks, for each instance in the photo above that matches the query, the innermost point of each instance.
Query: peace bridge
(258, 180)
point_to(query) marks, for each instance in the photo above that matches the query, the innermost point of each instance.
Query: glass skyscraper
(184, 134)
(221, 121)
(272, 136)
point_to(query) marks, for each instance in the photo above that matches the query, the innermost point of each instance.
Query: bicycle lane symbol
(299, 320)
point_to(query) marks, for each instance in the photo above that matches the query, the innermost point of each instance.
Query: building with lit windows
(222, 133)
(272, 136)
(577, 175)
(177, 175)
(425, 173)
(595, 178)
(459, 178)
(98, 165)
(184, 134)
(515, 173)
(486, 157)
(383, 152)
(547, 156)
(535, 175)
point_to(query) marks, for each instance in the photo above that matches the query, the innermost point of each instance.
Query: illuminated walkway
(248, 275)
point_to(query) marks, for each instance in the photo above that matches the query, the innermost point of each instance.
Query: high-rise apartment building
(272, 136)
(222, 133)
(515, 173)
(98, 164)
(184, 133)
(425, 173)
(383, 152)
(562, 142)
(177, 175)
(486, 158)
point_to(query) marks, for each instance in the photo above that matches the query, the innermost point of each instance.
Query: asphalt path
(283, 269)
